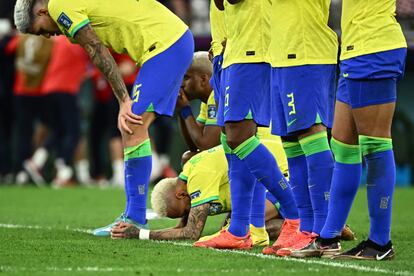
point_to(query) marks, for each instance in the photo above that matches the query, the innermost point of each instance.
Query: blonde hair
(159, 195)
(202, 63)
(23, 15)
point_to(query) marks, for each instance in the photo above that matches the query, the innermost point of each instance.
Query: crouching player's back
(154, 38)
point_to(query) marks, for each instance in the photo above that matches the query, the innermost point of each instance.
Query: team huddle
(259, 149)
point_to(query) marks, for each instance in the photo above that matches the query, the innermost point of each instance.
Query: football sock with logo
(379, 158)
(320, 166)
(263, 166)
(298, 179)
(345, 181)
(138, 163)
(242, 184)
(257, 213)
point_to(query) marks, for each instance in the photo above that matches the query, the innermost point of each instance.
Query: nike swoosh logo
(227, 88)
(379, 258)
(291, 122)
(345, 75)
(225, 112)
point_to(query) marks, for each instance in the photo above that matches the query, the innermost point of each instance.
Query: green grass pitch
(42, 232)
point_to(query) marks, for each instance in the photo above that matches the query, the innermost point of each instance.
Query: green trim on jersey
(183, 177)
(206, 200)
(79, 26)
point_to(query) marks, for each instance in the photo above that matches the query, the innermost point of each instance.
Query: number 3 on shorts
(291, 103)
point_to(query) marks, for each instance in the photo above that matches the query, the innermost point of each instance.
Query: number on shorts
(291, 103)
(136, 91)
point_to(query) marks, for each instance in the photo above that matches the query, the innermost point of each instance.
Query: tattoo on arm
(103, 59)
(195, 224)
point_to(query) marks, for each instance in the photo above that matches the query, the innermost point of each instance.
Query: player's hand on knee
(124, 230)
(127, 116)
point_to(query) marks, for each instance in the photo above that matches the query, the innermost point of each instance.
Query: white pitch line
(245, 253)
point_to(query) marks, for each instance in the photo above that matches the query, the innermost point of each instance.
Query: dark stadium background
(195, 13)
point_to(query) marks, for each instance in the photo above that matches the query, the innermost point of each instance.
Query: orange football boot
(226, 240)
(287, 235)
(302, 240)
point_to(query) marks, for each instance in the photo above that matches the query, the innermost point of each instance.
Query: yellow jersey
(248, 32)
(368, 27)
(208, 111)
(207, 179)
(218, 29)
(300, 34)
(141, 28)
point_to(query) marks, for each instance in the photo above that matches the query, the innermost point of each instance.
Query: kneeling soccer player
(202, 189)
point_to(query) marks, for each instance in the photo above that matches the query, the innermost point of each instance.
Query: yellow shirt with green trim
(141, 28)
(208, 112)
(207, 178)
(248, 31)
(218, 29)
(368, 27)
(300, 34)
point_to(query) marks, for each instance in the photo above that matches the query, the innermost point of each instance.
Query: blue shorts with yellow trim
(302, 96)
(371, 79)
(215, 80)
(245, 94)
(159, 79)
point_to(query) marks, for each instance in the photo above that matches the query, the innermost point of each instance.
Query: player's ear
(42, 11)
(181, 194)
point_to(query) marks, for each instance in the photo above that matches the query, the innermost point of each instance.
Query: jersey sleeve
(203, 187)
(202, 116)
(211, 112)
(70, 16)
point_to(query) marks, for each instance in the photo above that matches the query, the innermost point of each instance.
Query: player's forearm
(186, 135)
(186, 233)
(196, 133)
(103, 59)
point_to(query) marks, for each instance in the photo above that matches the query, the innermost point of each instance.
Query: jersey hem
(375, 50)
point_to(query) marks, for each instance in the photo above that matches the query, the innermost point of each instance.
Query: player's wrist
(185, 112)
(144, 234)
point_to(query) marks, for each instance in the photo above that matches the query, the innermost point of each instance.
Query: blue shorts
(371, 79)
(302, 96)
(245, 94)
(216, 77)
(159, 79)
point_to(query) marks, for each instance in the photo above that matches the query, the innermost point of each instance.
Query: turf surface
(43, 231)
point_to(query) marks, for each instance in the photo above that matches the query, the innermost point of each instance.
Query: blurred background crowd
(58, 117)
